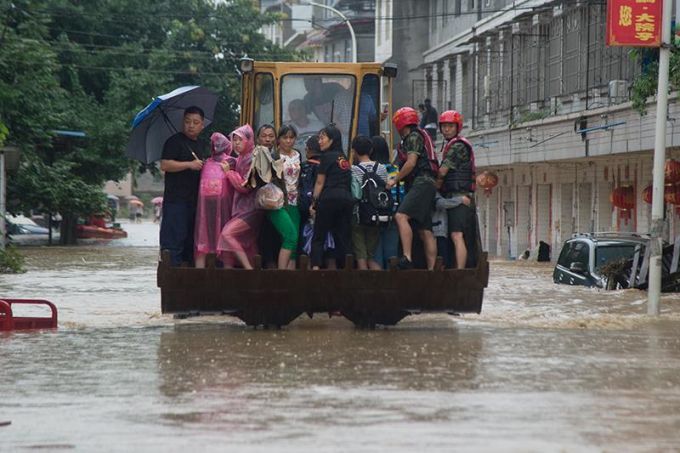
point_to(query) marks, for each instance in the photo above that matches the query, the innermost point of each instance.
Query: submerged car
(22, 230)
(583, 256)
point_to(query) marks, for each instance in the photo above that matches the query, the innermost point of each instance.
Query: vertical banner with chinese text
(635, 23)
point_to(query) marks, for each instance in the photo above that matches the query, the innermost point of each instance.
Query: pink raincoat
(215, 197)
(241, 231)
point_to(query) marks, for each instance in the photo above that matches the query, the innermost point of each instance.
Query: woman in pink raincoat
(215, 197)
(239, 235)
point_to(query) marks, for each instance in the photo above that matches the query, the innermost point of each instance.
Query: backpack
(376, 204)
(429, 151)
(212, 179)
(355, 187)
(306, 183)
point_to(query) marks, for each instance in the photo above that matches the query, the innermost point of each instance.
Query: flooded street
(543, 368)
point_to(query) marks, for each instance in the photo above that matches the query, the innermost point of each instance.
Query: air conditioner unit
(618, 89)
(535, 106)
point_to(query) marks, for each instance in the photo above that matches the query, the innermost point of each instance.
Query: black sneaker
(404, 264)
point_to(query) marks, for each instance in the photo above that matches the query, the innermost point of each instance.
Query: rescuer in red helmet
(418, 168)
(455, 178)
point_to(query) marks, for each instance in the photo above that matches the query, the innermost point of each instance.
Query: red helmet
(405, 116)
(451, 116)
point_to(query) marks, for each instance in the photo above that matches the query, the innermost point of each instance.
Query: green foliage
(645, 84)
(91, 66)
(532, 116)
(11, 262)
(4, 132)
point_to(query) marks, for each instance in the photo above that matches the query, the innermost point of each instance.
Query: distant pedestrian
(429, 119)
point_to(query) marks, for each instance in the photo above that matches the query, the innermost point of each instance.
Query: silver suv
(583, 256)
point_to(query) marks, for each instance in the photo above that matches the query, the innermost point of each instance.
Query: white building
(527, 75)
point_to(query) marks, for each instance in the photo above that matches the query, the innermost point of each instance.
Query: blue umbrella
(164, 117)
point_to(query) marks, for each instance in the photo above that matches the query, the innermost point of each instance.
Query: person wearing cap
(456, 178)
(418, 171)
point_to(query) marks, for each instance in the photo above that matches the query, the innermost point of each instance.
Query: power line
(546, 6)
(121, 69)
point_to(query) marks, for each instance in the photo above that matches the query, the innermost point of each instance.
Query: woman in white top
(286, 220)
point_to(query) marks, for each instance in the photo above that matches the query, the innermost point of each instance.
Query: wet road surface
(544, 368)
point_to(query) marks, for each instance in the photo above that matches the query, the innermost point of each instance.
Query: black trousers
(334, 216)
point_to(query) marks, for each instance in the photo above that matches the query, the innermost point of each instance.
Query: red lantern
(671, 194)
(623, 197)
(487, 180)
(647, 194)
(672, 172)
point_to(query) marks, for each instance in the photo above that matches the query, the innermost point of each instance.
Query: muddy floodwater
(543, 368)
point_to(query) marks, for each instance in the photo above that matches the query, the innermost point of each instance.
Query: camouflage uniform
(419, 200)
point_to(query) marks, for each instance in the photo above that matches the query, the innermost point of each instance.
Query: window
(574, 252)
(368, 122)
(606, 254)
(457, 7)
(310, 102)
(264, 100)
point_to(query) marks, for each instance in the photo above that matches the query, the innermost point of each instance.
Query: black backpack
(376, 205)
(306, 183)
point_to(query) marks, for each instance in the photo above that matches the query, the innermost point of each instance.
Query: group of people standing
(254, 193)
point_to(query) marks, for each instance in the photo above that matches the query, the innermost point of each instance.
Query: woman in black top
(332, 199)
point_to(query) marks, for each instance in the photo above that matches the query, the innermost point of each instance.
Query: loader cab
(310, 96)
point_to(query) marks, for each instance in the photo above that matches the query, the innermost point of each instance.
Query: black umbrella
(164, 117)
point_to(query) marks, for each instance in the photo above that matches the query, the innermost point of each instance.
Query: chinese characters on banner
(635, 23)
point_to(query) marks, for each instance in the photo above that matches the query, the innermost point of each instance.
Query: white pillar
(460, 106)
(446, 101)
(655, 271)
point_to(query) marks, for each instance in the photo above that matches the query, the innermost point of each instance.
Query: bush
(11, 262)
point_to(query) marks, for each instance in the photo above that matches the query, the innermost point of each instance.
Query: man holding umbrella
(167, 130)
(181, 162)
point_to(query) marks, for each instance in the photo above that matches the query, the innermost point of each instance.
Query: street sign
(634, 23)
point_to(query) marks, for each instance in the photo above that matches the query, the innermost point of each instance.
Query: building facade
(402, 38)
(546, 105)
(329, 39)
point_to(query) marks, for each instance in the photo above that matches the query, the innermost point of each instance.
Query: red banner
(635, 23)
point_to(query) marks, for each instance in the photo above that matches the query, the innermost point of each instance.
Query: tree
(90, 66)
(645, 84)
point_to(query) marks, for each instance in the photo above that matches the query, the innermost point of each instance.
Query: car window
(605, 254)
(574, 252)
(563, 260)
(580, 253)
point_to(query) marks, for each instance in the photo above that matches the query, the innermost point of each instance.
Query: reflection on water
(544, 368)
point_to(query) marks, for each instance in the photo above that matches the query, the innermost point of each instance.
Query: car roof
(21, 220)
(611, 238)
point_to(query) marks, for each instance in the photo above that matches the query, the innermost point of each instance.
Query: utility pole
(655, 270)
